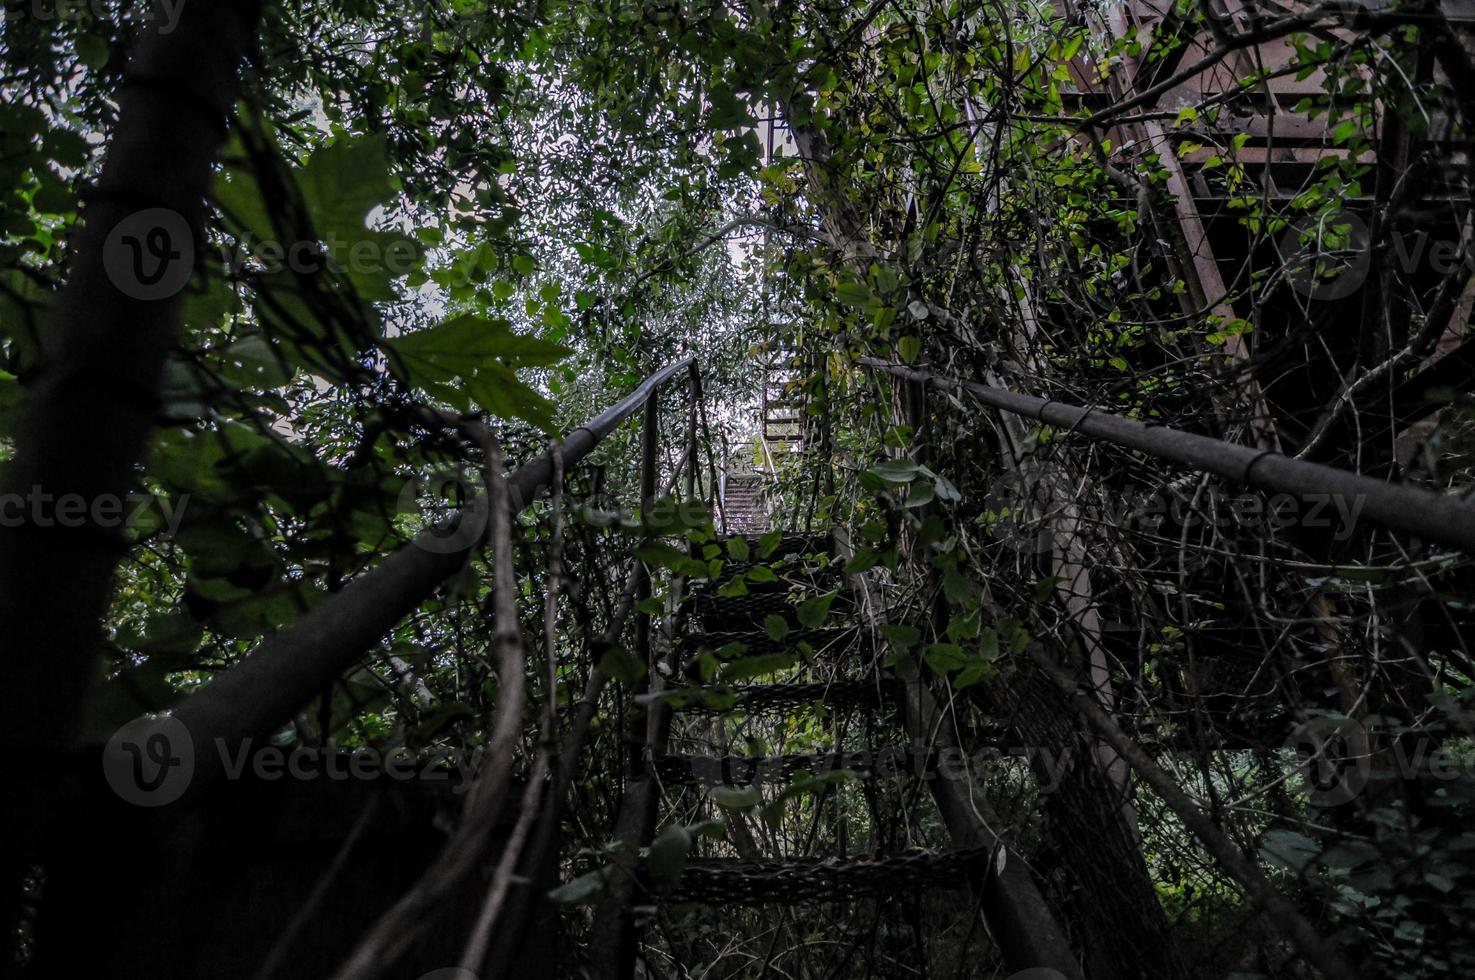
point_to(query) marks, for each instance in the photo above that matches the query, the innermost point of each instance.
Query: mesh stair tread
(723, 881)
(754, 698)
(789, 545)
(747, 770)
(757, 643)
(717, 611)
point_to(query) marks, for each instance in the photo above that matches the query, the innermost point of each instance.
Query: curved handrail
(288, 669)
(1437, 517)
(535, 475)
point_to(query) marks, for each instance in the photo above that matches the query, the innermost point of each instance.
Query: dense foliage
(442, 227)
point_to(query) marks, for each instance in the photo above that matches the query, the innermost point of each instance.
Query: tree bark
(92, 403)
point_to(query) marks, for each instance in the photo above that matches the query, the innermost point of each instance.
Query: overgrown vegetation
(442, 235)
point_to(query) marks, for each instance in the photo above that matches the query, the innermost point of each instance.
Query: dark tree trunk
(92, 403)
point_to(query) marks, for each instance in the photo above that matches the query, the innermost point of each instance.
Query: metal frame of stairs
(978, 860)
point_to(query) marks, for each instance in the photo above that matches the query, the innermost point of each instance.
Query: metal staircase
(783, 401)
(743, 509)
(748, 617)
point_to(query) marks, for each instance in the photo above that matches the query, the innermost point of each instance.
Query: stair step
(832, 640)
(790, 545)
(733, 613)
(726, 612)
(823, 579)
(750, 770)
(720, 881)
(756, 698)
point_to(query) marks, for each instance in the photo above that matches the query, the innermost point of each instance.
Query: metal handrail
(1436, 517)
(286, 670)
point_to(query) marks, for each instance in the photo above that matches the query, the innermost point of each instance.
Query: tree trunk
(91, 405)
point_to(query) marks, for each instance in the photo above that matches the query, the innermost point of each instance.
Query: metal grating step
(717, 881)
(757, 698)
(748, 770)
(832, 640)
(750, 611)
(791, 545)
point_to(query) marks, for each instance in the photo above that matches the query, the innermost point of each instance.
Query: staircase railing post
(650, 438)
(714, 480)
(612, 939)
(694, 392)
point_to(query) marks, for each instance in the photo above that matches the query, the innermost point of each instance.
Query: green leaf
(971, 675)
(581, 890)
(661, 555)
(963, 626)
(896, 470)
(763, 665)
(856, 294)
(1289, 850)
(738, 548)
(666, 858)
(775, 626)
(920, 495)
(461, 346)
(988, 644)
(863, 560)
(523, 264)
(908, 348)
(901, 635)
(736, 797)
(496, 389)
(957, 587)
(1047, 587)
(622, 665)
(945, 657)
(812, 612)
(482, 354)
(93, 51)
(345, 180)
(761, 574)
